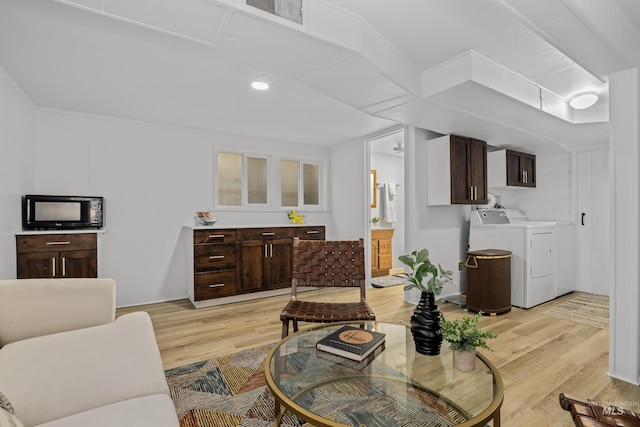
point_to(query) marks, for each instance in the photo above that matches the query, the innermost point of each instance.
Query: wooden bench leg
(285, 328)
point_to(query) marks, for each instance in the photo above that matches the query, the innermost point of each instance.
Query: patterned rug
(386, 281)
(586, 309)
(230, 391)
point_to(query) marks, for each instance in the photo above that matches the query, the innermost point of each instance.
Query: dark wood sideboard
(234, 264)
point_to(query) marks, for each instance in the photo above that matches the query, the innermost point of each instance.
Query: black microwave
(46, 212)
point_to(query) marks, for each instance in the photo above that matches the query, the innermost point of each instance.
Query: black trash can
(489, 281)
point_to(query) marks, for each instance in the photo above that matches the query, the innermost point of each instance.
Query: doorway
(387, 208)
(592, 211)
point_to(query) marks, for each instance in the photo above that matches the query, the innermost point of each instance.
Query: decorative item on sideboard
(204, 218)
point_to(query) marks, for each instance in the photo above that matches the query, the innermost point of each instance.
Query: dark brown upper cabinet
(510, 168)
(457, 171)
(521, 169)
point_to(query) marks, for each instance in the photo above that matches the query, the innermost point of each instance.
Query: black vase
(425, 325)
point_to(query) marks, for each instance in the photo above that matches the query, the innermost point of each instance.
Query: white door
(593, 221)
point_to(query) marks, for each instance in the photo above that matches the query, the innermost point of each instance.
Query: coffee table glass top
(394, 386)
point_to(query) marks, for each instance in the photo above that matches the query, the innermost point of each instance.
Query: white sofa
(66, 361)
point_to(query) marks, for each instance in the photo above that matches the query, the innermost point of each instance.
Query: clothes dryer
(532, 245)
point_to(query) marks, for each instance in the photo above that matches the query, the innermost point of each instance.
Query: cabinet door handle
(271, 250)
(58, 243)
(53, 266)
(312, 232)
(475, 192)
(582, 215)
(216, 285)
(268, 233)
(471, 192)
(216, 236)
(216, 257)
(64, 266)
(265, 251)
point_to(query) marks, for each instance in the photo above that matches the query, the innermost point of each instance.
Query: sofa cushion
(58, 375)
(154, 411)
(35, 307)
(7, 419)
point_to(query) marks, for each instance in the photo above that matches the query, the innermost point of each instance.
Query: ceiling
(498, 70)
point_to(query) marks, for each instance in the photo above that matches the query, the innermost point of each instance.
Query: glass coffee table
(393, 386)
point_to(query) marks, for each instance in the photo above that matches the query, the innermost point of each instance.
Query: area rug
(230, 391)
(386, 281)
(586, 309)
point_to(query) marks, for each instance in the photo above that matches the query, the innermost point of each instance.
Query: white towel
(392, 189)
(388, 205)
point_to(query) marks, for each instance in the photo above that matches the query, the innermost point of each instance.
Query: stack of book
(351, 342)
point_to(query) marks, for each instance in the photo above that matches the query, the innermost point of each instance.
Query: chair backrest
(328, 263)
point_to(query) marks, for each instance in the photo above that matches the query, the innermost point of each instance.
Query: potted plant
(464, 337)
(375, 221)
(428, 278)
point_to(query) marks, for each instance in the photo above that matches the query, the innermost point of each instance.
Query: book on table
(351, 342)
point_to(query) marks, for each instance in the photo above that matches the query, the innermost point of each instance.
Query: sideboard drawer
(215, 285)
(214, 236)
(214, 257)
(384, 262)
(266, 233)
(310, 233)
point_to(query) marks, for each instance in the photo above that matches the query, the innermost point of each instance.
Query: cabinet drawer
(384, 246)
(384, 262)
(266, 233)
(214, 236)
(214, 257)
(215, 285)
(310, 233)
(56, 242)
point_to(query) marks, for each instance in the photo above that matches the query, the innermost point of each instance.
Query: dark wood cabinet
(468, 171)
(57, 255)
(456, 171)
(243, 261)
(521, 169)
(214, 264)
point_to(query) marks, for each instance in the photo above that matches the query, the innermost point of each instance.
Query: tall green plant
(463, 335)
(422, 268)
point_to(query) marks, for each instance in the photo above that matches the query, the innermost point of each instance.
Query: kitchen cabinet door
(468, 168)
(521, 169)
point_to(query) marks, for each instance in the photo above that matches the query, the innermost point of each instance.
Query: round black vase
(425, 325)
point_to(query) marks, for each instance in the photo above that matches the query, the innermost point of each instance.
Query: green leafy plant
(375, 219)
(422, 268)
(463, 335)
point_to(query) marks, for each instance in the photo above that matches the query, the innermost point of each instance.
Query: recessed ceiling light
(584, 100)
(263, 82)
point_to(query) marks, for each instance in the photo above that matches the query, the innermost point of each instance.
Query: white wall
(154, 178)
(552, 198)
(17, 168)
(443, 230)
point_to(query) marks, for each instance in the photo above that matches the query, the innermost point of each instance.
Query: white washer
(532, 246)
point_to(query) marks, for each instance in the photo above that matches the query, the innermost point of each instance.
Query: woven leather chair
(326, 264)
(588, 413)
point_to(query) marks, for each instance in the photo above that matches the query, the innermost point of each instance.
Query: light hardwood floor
(537, 356)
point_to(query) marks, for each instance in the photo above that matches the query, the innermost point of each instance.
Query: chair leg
(285, 328)
(295, 325)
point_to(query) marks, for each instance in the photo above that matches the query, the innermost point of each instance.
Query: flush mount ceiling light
(584, 100)
(263, 82)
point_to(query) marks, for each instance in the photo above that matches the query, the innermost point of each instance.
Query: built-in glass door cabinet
(235, 264)
(509, 168)
(457, 171)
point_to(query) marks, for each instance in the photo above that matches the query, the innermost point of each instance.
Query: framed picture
(373, 184)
